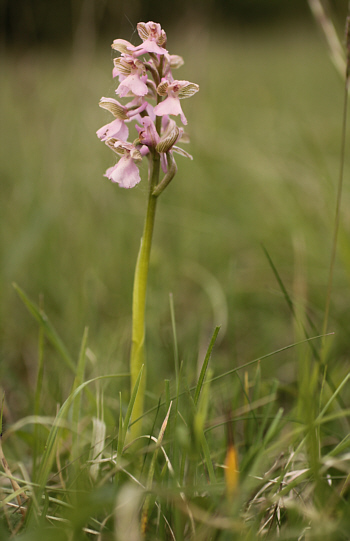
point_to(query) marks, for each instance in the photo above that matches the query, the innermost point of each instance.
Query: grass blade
(49, 330)
(51, 443)
(78, 380)
(131, 404)
(205, 366)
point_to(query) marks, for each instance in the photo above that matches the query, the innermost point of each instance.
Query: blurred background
(265, 135)
(67, 22)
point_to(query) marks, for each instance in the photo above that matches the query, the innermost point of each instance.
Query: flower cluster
(145, 78)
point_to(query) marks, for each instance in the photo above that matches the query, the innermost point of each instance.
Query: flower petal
(170, 106)
(150, 46)
(133, 84)
(117, 129)
(125, 173)
(122, 46)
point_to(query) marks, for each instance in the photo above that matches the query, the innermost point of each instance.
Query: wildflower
(142, 82)
(174, 92)
(153, 38)
(134, 76)
(125, 172)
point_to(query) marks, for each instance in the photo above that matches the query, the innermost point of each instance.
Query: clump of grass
(180, 481)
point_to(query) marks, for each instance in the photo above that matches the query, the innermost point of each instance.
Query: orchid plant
(145, 78)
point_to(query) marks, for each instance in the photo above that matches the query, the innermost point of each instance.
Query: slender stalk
(137, 358)
(337, 213)
(340, 180)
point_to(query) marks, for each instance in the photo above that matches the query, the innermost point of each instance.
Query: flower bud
(148, 134)
(169, 138)
(176, 61)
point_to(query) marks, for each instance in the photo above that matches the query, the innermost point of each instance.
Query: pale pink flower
(153, 38)
(133, 76)
(170, 106)
(174, 91)
(125, 172)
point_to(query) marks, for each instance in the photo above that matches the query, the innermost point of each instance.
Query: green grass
(265, 134)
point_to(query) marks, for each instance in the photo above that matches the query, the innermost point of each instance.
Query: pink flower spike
(125, 172)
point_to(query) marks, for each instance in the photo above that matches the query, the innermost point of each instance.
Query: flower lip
(125, 173)
(115, 129)
(134, 84)
(170, 106)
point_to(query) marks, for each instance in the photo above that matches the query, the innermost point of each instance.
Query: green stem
(137, 358)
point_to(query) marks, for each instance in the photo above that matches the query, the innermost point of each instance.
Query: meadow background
(265, 134)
